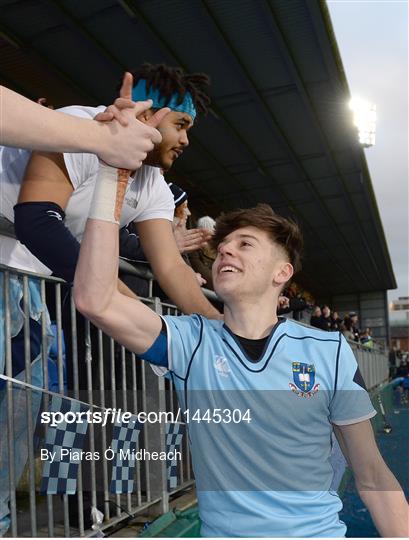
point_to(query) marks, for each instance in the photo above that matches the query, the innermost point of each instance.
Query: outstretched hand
(188, 240)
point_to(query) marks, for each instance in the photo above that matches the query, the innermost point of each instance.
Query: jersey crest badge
(304, 378)
(222, 366)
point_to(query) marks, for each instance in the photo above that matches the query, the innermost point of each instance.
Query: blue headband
(139, 93)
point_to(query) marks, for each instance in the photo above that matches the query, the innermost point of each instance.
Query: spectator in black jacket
(326, 318)
(336, 322)
(316, 318)
(353, 316)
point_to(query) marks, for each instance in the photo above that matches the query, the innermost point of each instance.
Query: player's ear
(283, 273)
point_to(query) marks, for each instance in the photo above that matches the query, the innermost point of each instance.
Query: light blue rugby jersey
(270, 476)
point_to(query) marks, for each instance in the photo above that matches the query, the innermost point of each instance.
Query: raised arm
(95, 293)
(26, 124)
(377, 486)
(96, 296)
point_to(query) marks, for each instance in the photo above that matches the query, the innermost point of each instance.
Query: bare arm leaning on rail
(26, 124)
(127, 320)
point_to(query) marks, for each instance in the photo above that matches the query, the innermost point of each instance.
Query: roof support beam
(77, 26)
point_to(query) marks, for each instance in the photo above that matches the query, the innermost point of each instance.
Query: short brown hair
(282, 231)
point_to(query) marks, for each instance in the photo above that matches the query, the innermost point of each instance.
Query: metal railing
(373, 364)
(97, 374)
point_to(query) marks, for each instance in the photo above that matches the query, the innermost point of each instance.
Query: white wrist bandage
(108, 194)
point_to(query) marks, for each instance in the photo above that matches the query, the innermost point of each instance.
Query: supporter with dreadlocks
(46, 199)
(53, 202)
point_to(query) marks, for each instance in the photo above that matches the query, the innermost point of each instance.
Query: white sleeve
(158, 202)
(81, 167)
(80, 111)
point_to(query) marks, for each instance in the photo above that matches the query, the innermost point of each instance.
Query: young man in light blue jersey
(261, 396)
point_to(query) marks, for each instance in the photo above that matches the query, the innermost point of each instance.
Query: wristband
(109, 193)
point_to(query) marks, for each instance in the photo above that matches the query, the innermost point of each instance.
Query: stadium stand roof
(279, 130)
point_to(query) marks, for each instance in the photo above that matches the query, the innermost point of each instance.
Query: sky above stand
(372, 37)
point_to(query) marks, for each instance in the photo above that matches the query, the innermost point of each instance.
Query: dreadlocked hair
(173, 80)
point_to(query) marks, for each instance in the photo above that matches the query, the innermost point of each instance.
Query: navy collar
(244, 354)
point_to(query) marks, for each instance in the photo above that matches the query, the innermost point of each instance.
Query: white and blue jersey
(260, 432)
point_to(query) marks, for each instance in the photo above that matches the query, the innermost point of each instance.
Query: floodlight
(364, 120)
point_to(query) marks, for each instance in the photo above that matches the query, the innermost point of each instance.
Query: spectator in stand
(326, 318)
(202, 259)
(182, 211)
(355, 328)
(347, 329)
(186, 240)
(365, 338)
(336, 321)
(292, 300)
(316, 318)
(207, 222)
(403, 369)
